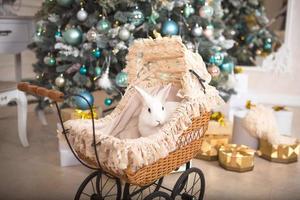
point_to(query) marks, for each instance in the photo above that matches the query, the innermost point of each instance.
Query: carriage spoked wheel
(190, 185)
(158, 195)
(99, 186)
(133, 192)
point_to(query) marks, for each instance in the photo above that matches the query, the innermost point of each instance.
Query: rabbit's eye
(162, 108)
(149, 110)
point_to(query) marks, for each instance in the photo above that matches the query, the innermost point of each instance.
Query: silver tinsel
(54, 18)
(121, 45)
(190, 46)
(67, 50)
(113, 32)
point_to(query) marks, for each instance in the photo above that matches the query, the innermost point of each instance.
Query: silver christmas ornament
(60, 81)
(82, 15)
(197, 31)
(91, 35)
(124, 34)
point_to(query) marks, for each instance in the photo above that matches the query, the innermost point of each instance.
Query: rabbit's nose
(158, 121)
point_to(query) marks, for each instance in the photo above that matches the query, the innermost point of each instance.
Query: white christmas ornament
(82, 15)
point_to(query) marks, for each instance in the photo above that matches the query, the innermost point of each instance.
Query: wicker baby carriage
(151, 63)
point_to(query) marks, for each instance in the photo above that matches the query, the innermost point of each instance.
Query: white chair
(8, 93)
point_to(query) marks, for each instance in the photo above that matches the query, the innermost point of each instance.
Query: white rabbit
(155, 111)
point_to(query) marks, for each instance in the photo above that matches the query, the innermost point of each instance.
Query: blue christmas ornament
(81, 103)
(122, 79)
(83, 70)
(64, 3)
(268, 44)
(227, 67)
(188, 10)
(170, 27)
(137, 17)
(58, 33)
(73, 36)
(103, 25)
(108, 101)
(98, 71)
(96, 53)
(216, 59)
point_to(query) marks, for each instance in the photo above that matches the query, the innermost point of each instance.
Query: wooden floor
(34, 172)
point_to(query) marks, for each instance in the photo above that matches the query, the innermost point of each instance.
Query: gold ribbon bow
(219, 117)
(236, 154)
(238, 70)
(279, 108)
(86, 114)
(249, 104)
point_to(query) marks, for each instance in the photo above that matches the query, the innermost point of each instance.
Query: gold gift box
(282, 153)
(210, 146)
(235, 157)
(71, 113)
(217, 128)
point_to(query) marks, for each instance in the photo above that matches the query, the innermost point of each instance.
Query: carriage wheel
(99, 186)
(138, 193)
(190, 185)
(158, 195)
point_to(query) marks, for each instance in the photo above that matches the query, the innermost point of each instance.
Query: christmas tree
(81, 45)
(248, 24)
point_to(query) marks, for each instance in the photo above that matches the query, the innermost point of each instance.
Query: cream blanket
(118, 143)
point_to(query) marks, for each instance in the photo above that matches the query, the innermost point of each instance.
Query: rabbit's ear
(147, 97)
(164, 93)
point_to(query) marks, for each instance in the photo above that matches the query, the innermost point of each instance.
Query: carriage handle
(58, 96)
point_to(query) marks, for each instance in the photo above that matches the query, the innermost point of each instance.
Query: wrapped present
(210, 146)
(71, 113)
(283, 153)
(235, 157)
